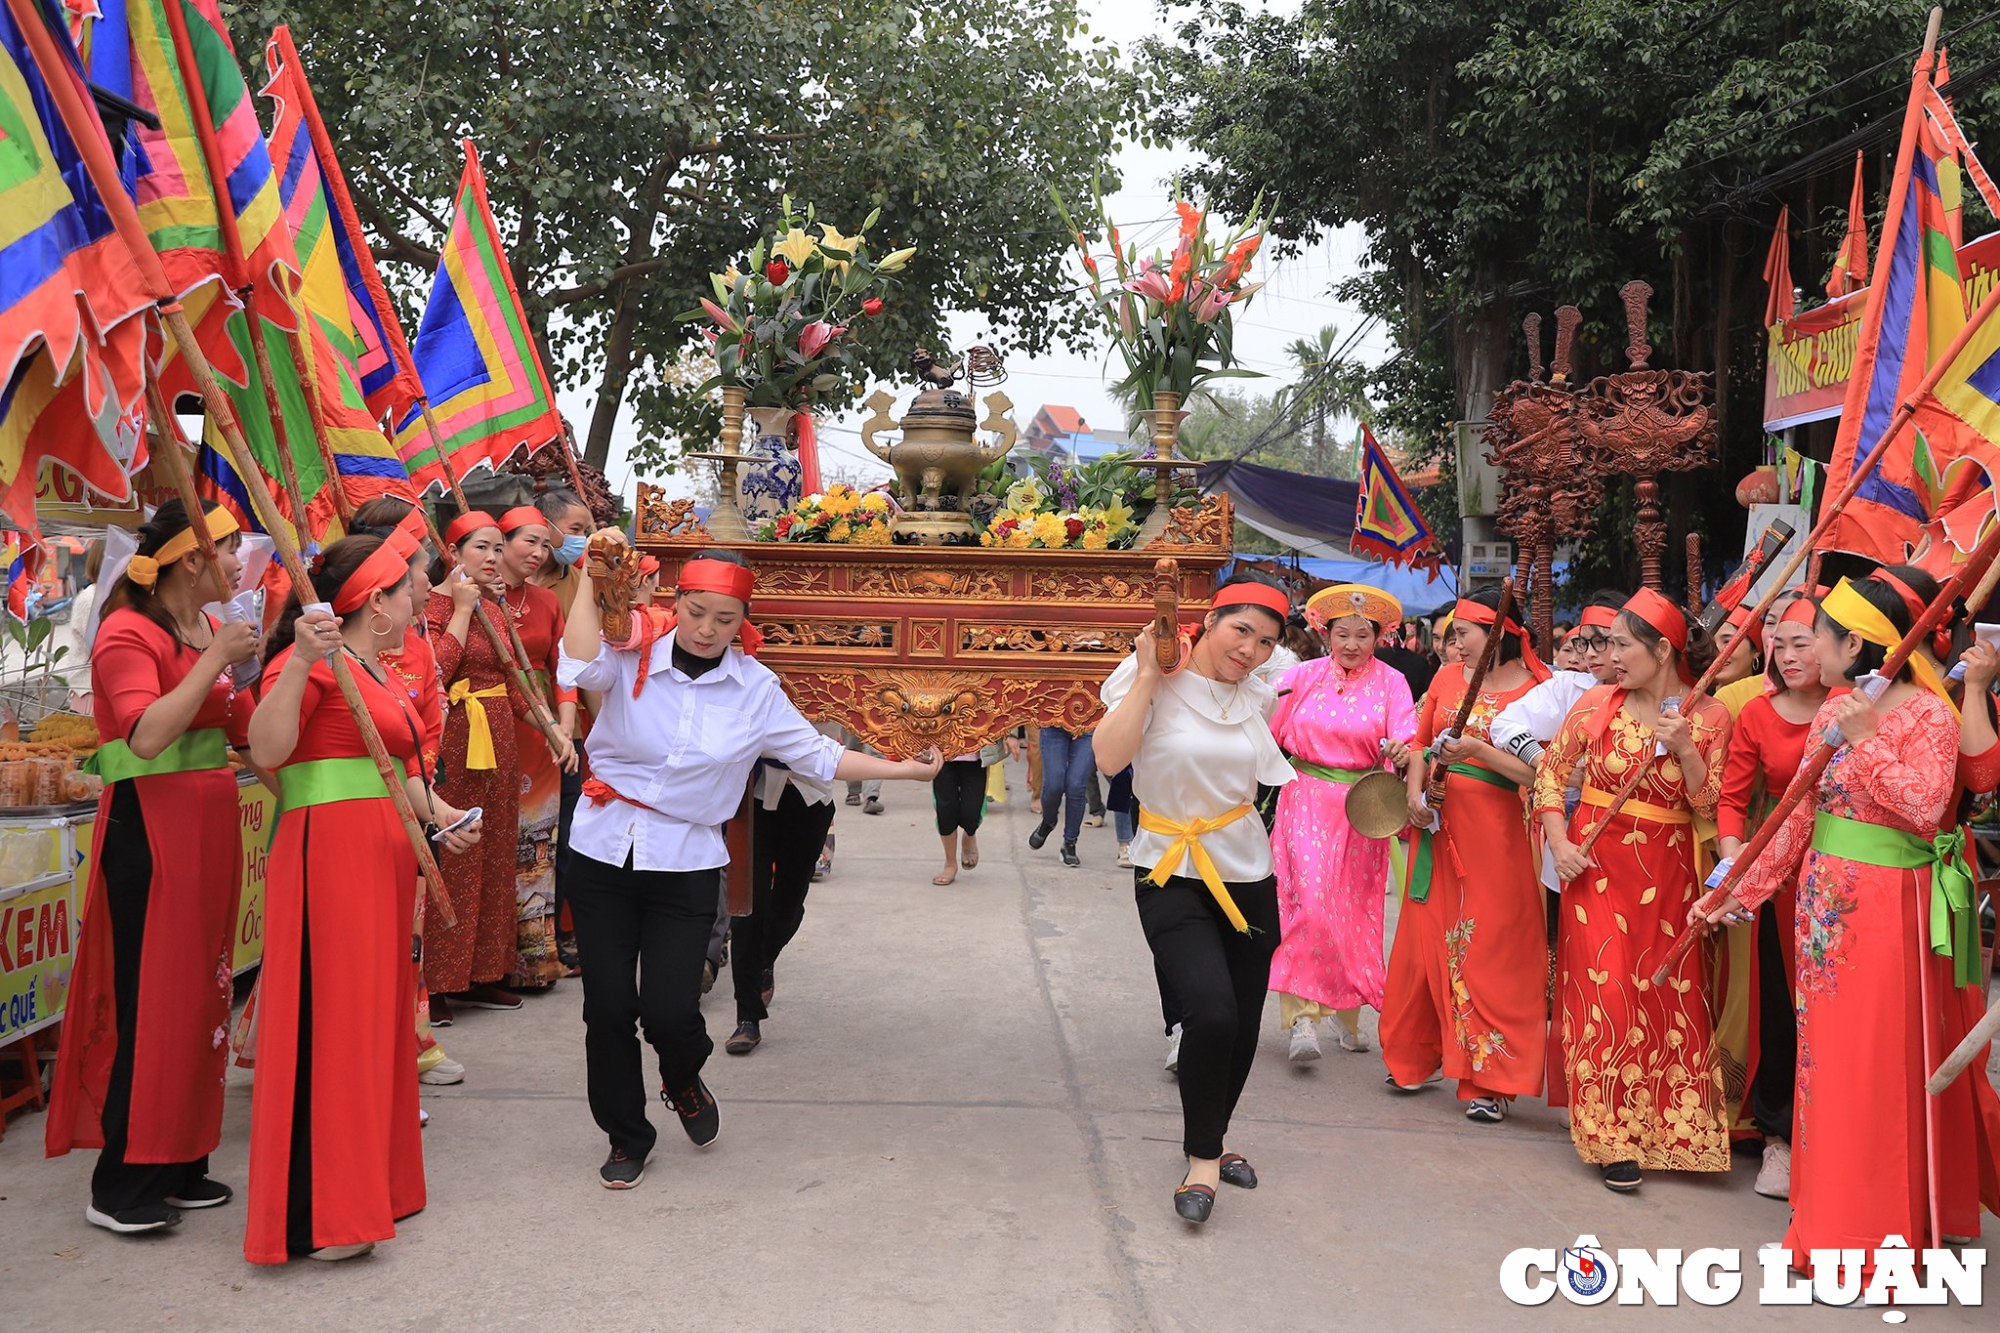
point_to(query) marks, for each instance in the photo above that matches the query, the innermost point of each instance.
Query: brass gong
(1378, 805)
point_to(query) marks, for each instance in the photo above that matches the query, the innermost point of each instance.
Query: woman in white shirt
(684, 720)
(1199, 743)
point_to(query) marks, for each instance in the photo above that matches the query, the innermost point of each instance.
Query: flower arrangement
(784, 325)
(838, 515)
(1170, 315)
(1054, 509)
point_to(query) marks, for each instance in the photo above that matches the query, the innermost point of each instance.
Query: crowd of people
(1536, 905)
(576, 788)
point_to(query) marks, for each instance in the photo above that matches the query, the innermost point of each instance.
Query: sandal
(941, 880)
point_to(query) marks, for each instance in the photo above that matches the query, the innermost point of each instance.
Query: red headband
(648, 566)
(468, 523)
(408, 538)
(717, 576)
(1916, 604)
(1478, 613)
(522, 516)
(1752, 629)
(1598, 617)
(1803, 611)
(1251, 593)
(384, 568)
(1650, 608)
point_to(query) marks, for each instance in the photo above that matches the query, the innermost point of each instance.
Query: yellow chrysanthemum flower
(1095, 540)
(840, 531)
(873, 534)
(875, 502)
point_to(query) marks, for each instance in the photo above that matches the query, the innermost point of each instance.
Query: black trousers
(645, 933)
(1777, 1031)
(116, 1184)
(959, 789)
(786, 846)
(1218, 977)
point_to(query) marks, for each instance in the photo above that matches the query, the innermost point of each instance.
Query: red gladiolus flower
(872, 306)
(777, 272)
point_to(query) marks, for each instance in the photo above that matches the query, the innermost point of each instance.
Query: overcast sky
(1296, 302)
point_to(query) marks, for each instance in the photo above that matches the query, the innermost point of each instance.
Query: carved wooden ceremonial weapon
(1166, 614)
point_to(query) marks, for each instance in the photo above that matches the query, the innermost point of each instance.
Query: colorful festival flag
(341, 284)
(1779, 303)
(1914, 308)
(73, 302)
(1850, 264)
(1387, 522)
(475, 353)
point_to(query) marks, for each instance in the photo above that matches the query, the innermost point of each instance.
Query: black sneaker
(1621, 1176)
(202, 1193)
(1070, 858)
(131, 1221)
(620, 1172)
(745, 1039)
(1040, 835)
(696, 1107)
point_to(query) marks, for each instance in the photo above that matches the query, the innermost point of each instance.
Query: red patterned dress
(172, 849)
(1638, 1066)
(1872, 1154)
(537, 615)
(1468, 971)
(480, 948)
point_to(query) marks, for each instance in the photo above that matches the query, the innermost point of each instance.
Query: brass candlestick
(725, 521)
(1166, 420)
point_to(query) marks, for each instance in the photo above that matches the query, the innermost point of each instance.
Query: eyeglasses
(1592, 643)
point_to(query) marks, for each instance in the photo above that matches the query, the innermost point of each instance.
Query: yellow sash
(1659, 814)
(478, 730)
(1187, 845)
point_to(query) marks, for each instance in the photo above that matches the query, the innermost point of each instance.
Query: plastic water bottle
(245, 608)
(1670, 704)
(1720, 873)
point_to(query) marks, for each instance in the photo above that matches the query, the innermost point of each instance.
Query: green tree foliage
(634, 147)
(1507, 155)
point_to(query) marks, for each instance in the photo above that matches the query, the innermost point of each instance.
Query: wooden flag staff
(1833, 508)
(88, 134)
(1434, 786)
(169, 456)
(1807, 780)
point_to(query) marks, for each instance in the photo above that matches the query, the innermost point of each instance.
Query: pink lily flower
(1212, 303)
(1151, 283)
(720, 316)
(814, 337)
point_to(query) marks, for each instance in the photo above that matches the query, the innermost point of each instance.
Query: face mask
(571, 550)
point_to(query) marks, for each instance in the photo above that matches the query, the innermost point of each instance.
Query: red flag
(1850, 266)
(1779, 305)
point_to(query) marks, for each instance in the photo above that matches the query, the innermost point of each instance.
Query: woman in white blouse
(683, 721)
(1199, 743)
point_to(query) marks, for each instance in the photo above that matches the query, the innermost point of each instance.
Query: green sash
(1420, 866)
(1347, 777)
(191, 751)
(325, 781)
(1954, 926)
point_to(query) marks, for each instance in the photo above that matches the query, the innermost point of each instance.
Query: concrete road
(958, 1119)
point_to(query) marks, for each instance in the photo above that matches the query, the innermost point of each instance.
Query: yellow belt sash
(1659, 814)
(478, 728)
(1186, 845)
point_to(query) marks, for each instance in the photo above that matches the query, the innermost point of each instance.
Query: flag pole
(1835, 506)
(1807, 780)
(316, 410)
(95, 149)
(170, 458)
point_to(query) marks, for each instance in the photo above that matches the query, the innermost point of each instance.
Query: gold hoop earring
(389, 625)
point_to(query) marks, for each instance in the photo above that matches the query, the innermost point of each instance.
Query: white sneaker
(443, 1074)
(1305, 1041)
(1124, 861)
(333, 1254)
(1774, 1178)
(1174, 1050)
(1485, 1110)
(1357, 1040)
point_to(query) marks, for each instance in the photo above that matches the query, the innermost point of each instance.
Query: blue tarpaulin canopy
(1312, 515)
